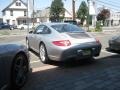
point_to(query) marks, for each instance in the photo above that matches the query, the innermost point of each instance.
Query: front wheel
(43, 54)
(19, 73)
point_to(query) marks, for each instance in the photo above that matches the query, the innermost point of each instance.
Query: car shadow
(69, 62)
(76, 75)
(112, 51)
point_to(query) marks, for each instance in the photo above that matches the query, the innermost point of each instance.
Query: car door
(37, 37)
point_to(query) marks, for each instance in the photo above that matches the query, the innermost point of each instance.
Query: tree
(103, 15)
(57, 11)
(82, 12)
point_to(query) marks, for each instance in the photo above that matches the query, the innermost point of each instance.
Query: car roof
(50, 24)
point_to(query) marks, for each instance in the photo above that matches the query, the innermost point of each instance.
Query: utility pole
(73, 9)
(33, 14)
(88, 17)
(28, 16)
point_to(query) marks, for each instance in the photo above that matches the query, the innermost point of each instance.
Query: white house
(114, 18)
(44, 15)
(15, 12)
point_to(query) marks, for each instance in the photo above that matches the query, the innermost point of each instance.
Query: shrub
(98, 27)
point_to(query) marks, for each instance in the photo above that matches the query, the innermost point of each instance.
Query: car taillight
(62, 43)
(97, 41)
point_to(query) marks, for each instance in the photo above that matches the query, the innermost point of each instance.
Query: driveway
(101, 73)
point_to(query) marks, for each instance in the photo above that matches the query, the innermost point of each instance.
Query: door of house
(8, 21)
(13, 22)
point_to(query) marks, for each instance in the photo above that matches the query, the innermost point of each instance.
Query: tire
(22, 28)
(11, 28)
(43, 54)
(19, 71)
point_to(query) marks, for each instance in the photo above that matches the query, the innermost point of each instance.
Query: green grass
(5, 32)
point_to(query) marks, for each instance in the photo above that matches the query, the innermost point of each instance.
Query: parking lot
(102, 73)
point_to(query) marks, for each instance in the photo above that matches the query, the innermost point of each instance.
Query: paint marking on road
(103, 50)
(44, 68)
(34, 61)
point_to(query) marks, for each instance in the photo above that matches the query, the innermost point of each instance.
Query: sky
(41, 4)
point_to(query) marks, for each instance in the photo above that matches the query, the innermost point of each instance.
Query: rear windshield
(71, 22)
(67, 28)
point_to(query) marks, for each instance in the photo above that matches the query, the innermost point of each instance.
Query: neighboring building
(68, 15)
(15, 13)
(44, 15)
(114, 18)
(1, 19)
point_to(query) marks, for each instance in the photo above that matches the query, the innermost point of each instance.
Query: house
(1, 19)
(44, 15)
(114, 19)
(15, 13)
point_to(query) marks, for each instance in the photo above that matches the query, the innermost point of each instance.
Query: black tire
(19, 71)
(43, 54)
(22, 28)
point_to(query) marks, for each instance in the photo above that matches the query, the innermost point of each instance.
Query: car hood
(11, 48)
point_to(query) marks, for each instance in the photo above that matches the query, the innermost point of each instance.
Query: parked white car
(25, 26)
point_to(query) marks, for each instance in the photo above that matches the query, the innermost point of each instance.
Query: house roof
(12, 3)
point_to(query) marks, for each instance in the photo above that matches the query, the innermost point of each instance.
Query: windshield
(67, 28)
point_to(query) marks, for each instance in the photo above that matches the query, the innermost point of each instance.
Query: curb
(11, 35)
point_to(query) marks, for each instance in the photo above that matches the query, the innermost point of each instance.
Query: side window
(39, 29)
(46, 30)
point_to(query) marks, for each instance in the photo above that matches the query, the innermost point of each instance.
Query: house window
(8, 21)
(11, 12)
(18, 4)
(25, 13)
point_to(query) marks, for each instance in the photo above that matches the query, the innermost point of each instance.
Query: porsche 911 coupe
(62, 41)
(14, 66)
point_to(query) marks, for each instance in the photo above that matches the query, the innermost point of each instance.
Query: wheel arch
(27, 60)
(21, 52)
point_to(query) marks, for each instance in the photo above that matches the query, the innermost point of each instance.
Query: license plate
(86, 52)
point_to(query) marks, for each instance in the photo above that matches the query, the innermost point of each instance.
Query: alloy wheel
(20, 69)
(42, 53)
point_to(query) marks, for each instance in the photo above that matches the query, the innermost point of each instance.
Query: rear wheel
(19, 71)
(43, 54)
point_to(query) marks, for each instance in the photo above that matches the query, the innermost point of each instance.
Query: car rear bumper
(114, 46)
(79, 52)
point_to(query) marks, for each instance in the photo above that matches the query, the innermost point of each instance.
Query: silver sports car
(14, 66)
(62, 41)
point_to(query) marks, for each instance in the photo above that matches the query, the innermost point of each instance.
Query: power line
(108, 4)
(113, 2)
(110, 7)
(115, 8)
